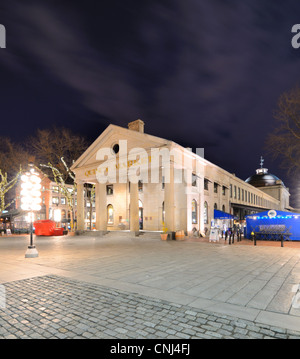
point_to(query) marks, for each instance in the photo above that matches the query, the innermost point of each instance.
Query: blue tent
(222, 215)
(267, 224)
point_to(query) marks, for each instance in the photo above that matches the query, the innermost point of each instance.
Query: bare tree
(12, 156)
(67, 190)
(5, 187)
(284, 141)
(50, 145)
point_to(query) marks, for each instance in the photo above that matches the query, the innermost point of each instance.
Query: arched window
(194, 211)
(223, 208)
(205, 214)
(215, 206)
(110, 214)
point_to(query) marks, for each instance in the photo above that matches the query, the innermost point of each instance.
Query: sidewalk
(252, 290)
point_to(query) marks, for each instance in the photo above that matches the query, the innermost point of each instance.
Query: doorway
(141, 216)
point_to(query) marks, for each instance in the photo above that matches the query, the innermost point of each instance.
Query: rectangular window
(163, 182)
(223, 190)
(110, 189)
(194, 180)
(55, 189)
(215, 187)
(55, 200)
(242, 194)
(231, 191)
(140, 186)
(234, 192)
(63, 200)
(239, 193)
(206, 184)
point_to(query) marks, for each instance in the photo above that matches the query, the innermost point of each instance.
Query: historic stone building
(150, 183)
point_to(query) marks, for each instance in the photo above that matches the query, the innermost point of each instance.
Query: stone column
(80, 206)
(170, 203)
(134, 208)
(101, 207)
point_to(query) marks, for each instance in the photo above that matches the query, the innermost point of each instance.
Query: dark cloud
(203, 73)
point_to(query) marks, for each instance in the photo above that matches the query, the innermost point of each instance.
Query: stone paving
(126, 287)
(54, 307)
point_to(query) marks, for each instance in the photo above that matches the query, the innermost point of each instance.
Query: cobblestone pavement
(53, 306)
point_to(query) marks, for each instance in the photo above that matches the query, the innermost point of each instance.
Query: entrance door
(141, 218)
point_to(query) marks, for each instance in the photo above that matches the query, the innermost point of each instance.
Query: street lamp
(31, 201)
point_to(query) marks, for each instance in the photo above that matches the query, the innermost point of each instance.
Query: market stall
(273, 225)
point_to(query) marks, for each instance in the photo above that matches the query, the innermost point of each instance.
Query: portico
(123, 181)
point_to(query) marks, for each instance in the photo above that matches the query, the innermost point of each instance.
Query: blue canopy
(222, 215)
(259, 222)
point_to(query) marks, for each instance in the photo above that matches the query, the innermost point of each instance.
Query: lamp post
(31, 201)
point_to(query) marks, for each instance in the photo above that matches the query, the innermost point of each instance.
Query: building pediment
(111, 136)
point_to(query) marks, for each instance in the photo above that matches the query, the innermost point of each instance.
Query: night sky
(203, 73)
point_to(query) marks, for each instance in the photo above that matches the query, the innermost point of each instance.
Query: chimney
(137, 125)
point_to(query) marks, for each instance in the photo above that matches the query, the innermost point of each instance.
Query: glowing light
(57, 215)
(30, 193)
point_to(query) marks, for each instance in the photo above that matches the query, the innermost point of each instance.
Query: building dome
(262, 178)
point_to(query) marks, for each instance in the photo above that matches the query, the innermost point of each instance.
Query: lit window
(110, 214)
(140, 186)
(194, 211)
(205, 213)
(109, 189)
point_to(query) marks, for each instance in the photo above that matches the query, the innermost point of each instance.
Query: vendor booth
(273, 225)
(220, 224)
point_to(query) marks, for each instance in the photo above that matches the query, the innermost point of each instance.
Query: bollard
(282, 240)
(254, 239)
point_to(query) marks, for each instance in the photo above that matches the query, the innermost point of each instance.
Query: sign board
(8, 232)
(214, 235)
(272, 213)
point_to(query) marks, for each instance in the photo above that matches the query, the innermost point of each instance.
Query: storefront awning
(222, 215)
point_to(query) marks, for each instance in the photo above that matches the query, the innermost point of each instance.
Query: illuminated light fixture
(57, 215)
(31, 202)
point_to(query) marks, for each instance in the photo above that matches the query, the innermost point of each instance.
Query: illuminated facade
(134, 191)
